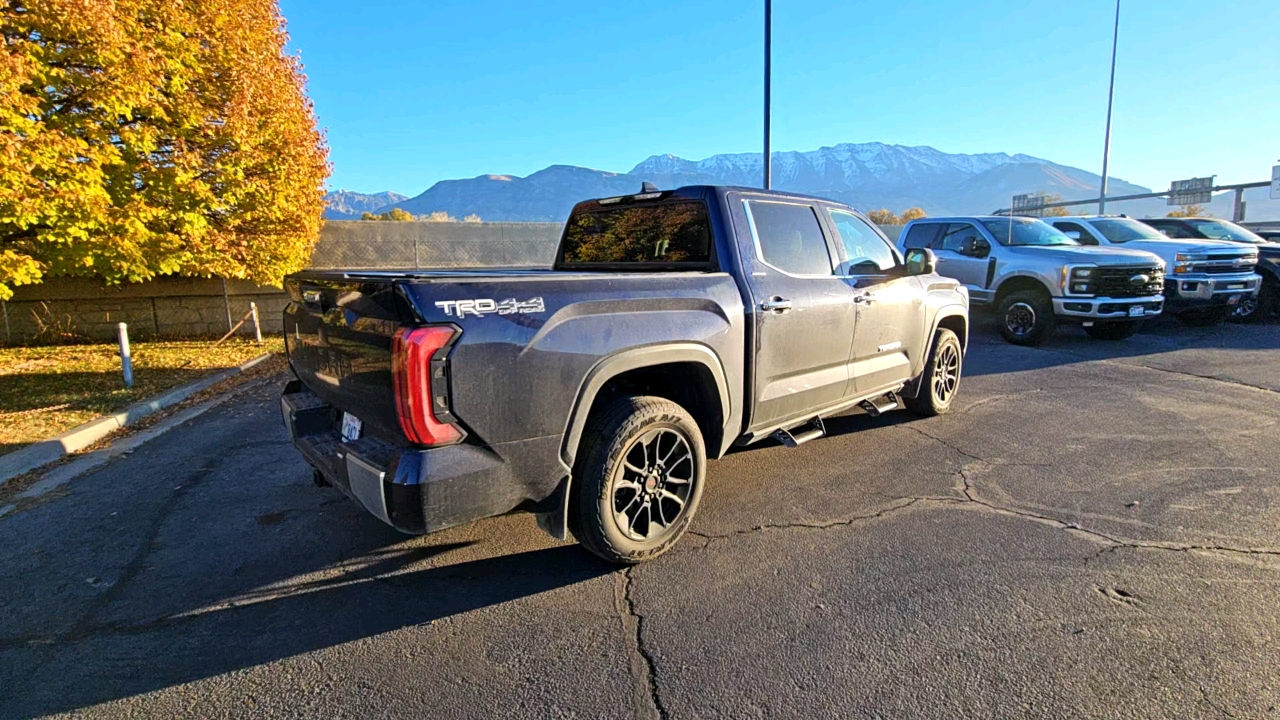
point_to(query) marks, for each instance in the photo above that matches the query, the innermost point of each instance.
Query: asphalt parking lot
(1093, 532)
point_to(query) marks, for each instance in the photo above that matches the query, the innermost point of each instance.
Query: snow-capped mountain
(864, 175)
(347, 205)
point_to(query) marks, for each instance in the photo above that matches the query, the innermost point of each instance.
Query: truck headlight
(1078, 280)
(1184, 263)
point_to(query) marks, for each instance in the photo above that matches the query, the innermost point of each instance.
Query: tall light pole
(768, 52)
(1111, 93)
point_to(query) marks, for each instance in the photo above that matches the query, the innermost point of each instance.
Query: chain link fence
(404, 245)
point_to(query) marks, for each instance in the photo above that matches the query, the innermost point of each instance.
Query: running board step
(801, 434)
(883, 404)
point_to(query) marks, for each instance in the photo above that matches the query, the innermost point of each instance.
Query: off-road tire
(1113, 330)
(946, 358)
(1042, 322)
(1206, 317)
(610, 435)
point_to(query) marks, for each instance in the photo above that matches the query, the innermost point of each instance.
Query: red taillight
(413, 367)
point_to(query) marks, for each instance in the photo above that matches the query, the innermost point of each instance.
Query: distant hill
(347, 205)
(866, 176)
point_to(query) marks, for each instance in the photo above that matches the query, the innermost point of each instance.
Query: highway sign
(1275, 182)
(1031, 204)
(1191, 192)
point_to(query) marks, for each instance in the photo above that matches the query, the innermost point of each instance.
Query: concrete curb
(44, 452)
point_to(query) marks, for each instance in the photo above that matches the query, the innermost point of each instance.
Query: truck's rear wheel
(940, 378)
(1026, 317)
(1115, 330)
(638, 479)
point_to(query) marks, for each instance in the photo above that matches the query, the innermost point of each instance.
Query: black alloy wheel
(651, 485)
(637, 480)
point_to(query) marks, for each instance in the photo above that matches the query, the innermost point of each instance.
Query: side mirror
(975, 247)
(920, 261)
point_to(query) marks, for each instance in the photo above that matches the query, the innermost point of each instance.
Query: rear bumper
(1188, 292)
(415, 490)
(1102, 308)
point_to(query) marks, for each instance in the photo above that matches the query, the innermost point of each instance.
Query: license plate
(1233, 300)
(1236, 286)
(351, 427)
(1136, 311)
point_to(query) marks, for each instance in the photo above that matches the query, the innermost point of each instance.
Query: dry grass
(46, 390)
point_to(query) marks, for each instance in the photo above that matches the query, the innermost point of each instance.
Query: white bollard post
(126, 360)
(257, 329)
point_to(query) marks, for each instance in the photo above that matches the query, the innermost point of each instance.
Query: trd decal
(488, 306)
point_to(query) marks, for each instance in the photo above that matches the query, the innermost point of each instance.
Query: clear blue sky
(413, 92)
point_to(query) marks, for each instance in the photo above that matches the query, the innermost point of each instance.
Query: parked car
(1267, 300)
(1034, 276)
(672, 326)
(1205, 278)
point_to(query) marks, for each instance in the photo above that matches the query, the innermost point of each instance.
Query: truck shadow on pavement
(262, 626)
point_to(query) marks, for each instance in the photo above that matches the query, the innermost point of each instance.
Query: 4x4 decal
(489, 306)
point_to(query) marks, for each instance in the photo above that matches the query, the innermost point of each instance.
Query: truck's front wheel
(1026, 317)
(638, 479)
(940, 378)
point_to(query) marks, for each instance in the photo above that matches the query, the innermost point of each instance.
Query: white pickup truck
(1204, 279)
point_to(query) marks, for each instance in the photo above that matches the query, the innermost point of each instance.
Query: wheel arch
(952, 317)
(1017, 283)
(688, 374)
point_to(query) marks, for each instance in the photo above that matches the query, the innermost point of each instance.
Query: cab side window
(956, 236)
(865, 252)
(789, 237)
(1077, 232)
(1173, 230)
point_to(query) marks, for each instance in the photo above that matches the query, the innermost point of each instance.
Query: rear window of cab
(673, 234)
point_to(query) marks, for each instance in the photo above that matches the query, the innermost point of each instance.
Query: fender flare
(552, 513)
(634, 359)
(913, 388)
(995, 292)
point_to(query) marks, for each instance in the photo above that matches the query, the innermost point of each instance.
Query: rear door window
(789, 237)
(922, 235)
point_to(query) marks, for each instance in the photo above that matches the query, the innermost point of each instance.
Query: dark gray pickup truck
(673, 325)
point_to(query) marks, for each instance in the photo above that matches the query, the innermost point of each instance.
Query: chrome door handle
(864, 299)
(776, 305)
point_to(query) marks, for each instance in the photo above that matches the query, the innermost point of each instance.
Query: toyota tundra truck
(1206, 278)
(1034, 276)
(672, 326)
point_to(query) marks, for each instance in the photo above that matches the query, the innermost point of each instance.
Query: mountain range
(347, 205)
(864, 175)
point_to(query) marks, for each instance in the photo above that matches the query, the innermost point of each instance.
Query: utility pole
(1111, 93)
(768, 52)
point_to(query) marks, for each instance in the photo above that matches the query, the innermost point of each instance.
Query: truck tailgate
(338, 335)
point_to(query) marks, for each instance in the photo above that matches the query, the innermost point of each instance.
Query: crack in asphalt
(1184, 373)
(647, 702)
(971, 497)
(816, 525)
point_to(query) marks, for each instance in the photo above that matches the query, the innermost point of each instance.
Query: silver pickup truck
(1206, 278)
(1035, 276)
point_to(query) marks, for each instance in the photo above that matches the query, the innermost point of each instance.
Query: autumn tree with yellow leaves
(153, 137)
